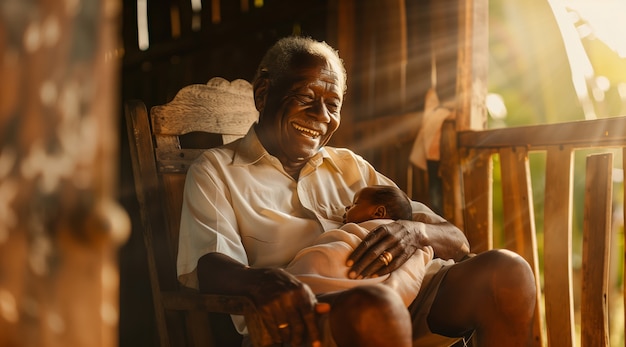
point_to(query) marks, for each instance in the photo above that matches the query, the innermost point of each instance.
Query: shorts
(419, 309)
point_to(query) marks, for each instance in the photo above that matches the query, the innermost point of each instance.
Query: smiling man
(251, 205)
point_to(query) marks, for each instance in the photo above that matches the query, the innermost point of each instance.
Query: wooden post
(557, 225)
(473, 60)
(594, 303)
(60, 226)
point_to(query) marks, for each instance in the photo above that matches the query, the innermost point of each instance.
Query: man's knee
(370, 315)
(497, 284)
(507, 269)
(514, 284)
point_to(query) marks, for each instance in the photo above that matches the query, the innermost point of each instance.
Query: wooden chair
(467, 171)
(159, 166)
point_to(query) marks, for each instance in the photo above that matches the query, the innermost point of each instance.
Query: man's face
(302, 114)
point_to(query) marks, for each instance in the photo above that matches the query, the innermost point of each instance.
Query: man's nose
(321, 111)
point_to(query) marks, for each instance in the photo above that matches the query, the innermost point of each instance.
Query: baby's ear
(380, 212)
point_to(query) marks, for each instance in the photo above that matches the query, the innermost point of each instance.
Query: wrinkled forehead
(330, 67)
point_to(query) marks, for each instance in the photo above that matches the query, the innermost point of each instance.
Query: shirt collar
(250, 151)
(325, 155)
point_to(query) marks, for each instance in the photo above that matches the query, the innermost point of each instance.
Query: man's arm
(286, 305)
(447, 240)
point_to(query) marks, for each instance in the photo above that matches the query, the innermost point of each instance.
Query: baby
(323, 265)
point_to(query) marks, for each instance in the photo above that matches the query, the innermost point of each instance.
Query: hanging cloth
(426, 144)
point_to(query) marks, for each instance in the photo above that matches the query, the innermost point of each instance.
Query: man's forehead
(308, 77)
(328, 67)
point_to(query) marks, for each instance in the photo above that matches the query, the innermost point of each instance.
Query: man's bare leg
(370, 316)
(493, 294)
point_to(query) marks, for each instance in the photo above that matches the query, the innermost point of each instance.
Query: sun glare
(584, 24)
(605, 18)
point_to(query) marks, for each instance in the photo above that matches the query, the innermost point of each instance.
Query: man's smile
(307, 131)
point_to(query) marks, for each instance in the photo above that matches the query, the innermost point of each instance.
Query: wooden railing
(467, 169)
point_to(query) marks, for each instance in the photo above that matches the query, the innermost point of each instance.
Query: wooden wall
(389, 48)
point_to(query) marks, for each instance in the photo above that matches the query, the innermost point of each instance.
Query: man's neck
(292, 168)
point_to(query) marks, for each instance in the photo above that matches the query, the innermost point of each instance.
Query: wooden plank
(519, 217)
(624, 239)
(419, 38)
(389, 50)
(473, 59)
(591, 133)
(341, 35)
(192, 301)
(173, 186)
(596, 249)
(142, 159)
(175, 160)
(477, 170)
(233, 101)
(557, 248)
(450, 173)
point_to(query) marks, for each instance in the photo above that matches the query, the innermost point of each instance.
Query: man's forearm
(447, 241)
(221, 274)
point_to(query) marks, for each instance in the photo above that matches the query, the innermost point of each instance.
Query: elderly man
(251, 205)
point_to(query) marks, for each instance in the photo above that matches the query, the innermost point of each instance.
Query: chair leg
(466, 341)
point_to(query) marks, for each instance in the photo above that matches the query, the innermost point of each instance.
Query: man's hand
(287, 306)
(386, 248)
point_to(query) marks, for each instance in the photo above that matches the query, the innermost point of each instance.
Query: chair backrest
(160, 161)
(467, 169)
(218, 107)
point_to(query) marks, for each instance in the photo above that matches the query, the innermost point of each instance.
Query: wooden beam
(473, 60)
(599, 132)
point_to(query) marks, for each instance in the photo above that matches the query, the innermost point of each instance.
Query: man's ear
(380, 212)
(261, 87)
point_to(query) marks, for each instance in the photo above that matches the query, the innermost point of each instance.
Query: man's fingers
(310, 321)
(371, 260)
(373, 268)
(272, 328)
(372, 238)
(393, 265)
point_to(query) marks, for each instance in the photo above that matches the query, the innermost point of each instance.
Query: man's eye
(304, 99)
(333, 107)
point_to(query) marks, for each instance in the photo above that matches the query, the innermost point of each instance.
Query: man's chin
(305, 155)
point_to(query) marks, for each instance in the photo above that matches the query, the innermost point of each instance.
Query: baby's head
(378, 202)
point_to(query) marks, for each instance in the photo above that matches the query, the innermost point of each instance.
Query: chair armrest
(181, 300)
(239, 305)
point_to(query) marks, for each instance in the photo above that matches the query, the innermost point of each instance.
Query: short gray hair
(276, 61)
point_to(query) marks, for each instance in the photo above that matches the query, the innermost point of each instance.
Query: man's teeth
(307, 131)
